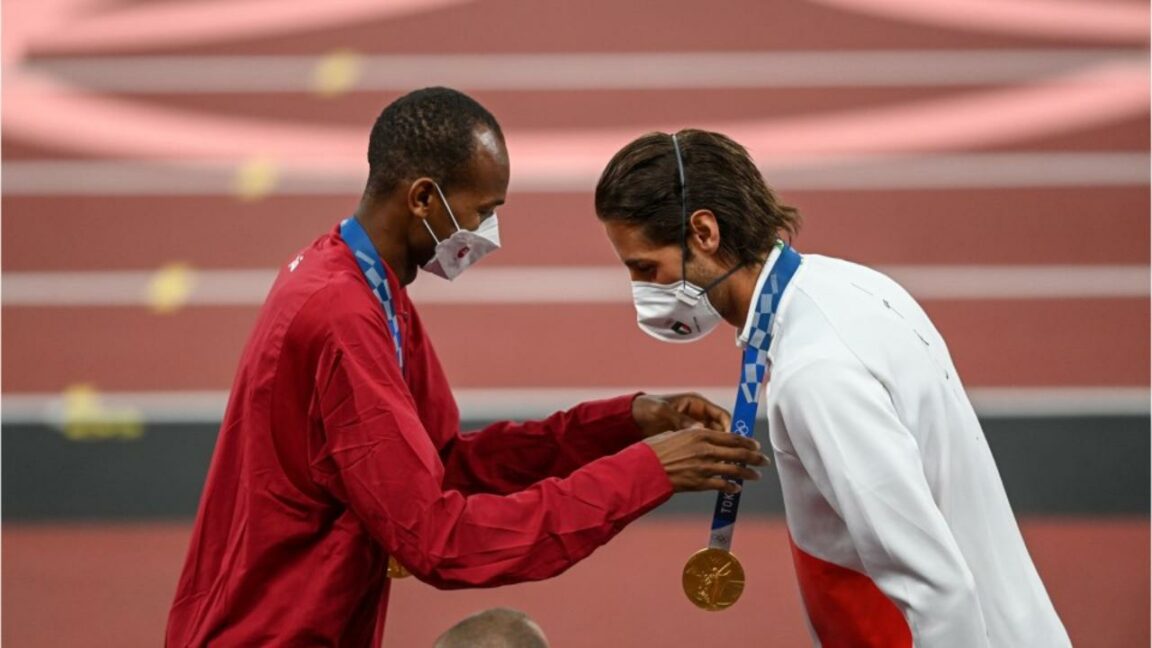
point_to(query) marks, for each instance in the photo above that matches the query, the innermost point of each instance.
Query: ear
(704, 231)
(421, 194)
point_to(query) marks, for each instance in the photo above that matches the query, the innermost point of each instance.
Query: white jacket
(902, 533)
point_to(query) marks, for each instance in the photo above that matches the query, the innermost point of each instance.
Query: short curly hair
(428, 132)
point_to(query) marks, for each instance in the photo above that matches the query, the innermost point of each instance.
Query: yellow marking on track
(256, 178)
(337, 73)
(170, 288)
(87, 419)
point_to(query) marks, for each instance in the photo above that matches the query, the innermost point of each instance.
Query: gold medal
(713, 579)
(396, 570)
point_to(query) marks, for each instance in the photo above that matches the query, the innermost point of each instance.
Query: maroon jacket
(329, 460)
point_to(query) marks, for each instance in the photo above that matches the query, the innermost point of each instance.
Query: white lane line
(565, 285)
(528, 403)
(305, 178)
(590, 71)
(1022, 282)
(1078, 20)
(132, 288)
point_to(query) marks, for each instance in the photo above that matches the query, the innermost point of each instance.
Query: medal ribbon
(753, 372)
(376, 274)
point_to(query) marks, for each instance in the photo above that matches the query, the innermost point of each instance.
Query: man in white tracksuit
(901, 532)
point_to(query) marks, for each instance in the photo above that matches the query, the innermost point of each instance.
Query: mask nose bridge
(489, 225)
(684, 296)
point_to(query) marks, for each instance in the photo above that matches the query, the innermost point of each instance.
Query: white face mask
(463, 248)
(678, 312)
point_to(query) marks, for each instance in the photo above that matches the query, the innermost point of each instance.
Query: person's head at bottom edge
(495, 628)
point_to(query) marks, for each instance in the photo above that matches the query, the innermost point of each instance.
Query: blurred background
(162, 158)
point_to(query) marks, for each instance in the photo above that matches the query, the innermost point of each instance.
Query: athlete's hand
(655, 414)
(699, 459)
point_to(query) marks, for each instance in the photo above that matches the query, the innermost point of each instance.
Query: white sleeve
(846, 433)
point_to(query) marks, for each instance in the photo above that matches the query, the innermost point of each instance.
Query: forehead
(631, 243)
(488, 169)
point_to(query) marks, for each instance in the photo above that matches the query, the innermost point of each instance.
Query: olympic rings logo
(742, 427)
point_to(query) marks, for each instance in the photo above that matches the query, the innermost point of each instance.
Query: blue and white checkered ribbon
(376, 274)
(753, 371)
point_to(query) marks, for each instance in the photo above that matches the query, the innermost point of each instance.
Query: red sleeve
(507, 457)
(388, 472)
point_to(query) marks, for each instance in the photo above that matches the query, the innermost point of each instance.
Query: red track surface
(996, 343)
(985, 226)
(111, 587)
(1005, 343)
